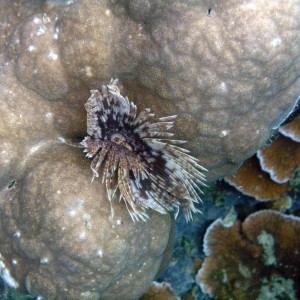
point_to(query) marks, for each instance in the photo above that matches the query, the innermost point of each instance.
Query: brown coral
(160, 291)
(58, 240)
(205, 70)
(256, 259)
(292, 129)
(283, 155)
(266, 175)
(252, 181)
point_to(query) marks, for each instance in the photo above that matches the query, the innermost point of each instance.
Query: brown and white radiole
(138, 159)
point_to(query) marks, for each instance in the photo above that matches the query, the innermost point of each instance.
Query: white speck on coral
(82, 235)
(52, 55)
(69, 2)
(31, 48)
(257, 131)
(119, 222)
(17, 234)
(35, 148)
(44, 260)
(107, 12)
(41, 30)
(76, 207)
(87, 221)
(223, 87)
(48, 116)
(14, 262)
(35, 71)
(249, 5)
(72, 213)
(58, 192)
(5, 275)
(61, 138)
(88, 71)
(99, 253)
(55, 35)
(36, 20)
(275, 42)
(224, 133)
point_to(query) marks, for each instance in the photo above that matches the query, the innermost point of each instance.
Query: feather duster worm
(137, 158)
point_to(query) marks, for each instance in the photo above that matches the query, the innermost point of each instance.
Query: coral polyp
(138, 159)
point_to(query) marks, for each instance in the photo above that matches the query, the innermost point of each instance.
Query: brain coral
(229, 70)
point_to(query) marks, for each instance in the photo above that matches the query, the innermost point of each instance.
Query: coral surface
(252, 181)
(160, 291)
(198, 59)
(256, 259)
(267, 175)
(59, 241)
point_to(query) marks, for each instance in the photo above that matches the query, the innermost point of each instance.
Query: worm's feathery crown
(138, 158)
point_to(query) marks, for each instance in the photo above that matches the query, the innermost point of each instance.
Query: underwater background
(228, 72)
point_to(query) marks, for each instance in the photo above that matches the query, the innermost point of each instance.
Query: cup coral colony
(138, 158)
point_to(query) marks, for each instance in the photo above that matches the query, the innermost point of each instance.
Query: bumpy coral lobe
(59, 242)
(138, 157)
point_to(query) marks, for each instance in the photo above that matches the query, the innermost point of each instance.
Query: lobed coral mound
(199, 60)
(59, 241)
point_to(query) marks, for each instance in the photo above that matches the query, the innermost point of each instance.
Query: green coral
(295, 181)
(277, 288)
(266, 240)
